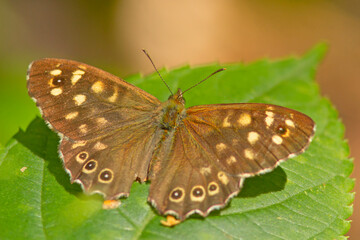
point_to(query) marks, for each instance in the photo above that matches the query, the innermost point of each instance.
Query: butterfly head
(177, 98)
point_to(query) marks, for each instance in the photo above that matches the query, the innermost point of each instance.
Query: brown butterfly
(113, 133)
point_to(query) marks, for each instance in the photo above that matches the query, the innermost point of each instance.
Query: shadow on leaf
(43, 142)
(270, 182)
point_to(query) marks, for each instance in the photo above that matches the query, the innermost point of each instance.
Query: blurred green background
(110, 35)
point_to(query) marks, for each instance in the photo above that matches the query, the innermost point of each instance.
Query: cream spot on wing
(98, 87)
(71, 115)
(269, 121)
(231, 160)
(249, 154)
(82, 67)
(277, 139)
(100, 146)
(83, 128)
(253, 137)
(78, 144)
(222, 177)
(76, 76)
(79, 99)
(78, 72)
(270, 114)
(205, 171)
(220, 147)
(289, 123)
(55, 72)
(75, 79)
(56, 91)
(197, 193)
(244, 119)
(114, 96)
(226, 122)
(101, 120)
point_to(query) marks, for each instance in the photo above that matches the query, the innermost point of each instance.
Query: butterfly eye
(105, 176)
(58, 81)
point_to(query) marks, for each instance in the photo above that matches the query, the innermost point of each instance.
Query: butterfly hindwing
(192, 182)
(125, 155)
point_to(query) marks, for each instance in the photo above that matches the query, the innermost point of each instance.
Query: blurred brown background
(111, 34)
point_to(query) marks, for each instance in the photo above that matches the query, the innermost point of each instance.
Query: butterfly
(113, 133)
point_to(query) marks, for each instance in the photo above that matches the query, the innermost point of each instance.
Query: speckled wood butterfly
(113, 133)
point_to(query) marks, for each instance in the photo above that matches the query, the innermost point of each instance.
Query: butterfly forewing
(83, 102)
(250, 138)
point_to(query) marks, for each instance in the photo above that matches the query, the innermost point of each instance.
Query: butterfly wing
(98, 117)
(251, 138)
(82, 102)
(189, 180)
(216, 147)
(110, 165)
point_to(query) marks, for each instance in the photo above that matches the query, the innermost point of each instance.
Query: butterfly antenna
(157, 71)
(217, 71)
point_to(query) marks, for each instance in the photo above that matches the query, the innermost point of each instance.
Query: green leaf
(306, 197)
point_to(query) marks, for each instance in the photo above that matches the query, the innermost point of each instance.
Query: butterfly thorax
(173, 111)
